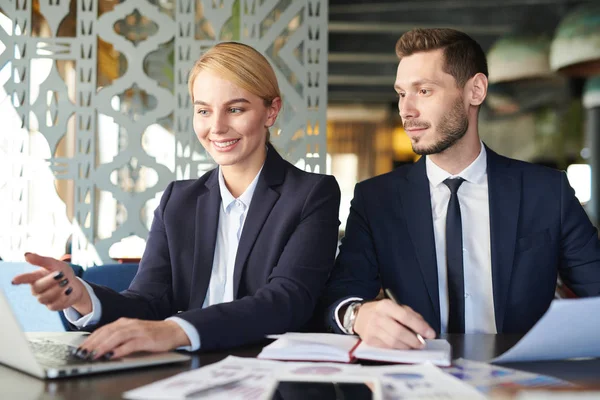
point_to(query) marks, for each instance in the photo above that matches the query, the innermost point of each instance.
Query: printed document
(569, 329)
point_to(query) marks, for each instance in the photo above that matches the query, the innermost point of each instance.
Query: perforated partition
(97, 119)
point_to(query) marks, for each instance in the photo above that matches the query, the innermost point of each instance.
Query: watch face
(350, 317)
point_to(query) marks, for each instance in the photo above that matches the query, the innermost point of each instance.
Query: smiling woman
(227, 258)
(236, 99)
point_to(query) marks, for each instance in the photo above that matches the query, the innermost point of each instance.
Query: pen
(389, 294)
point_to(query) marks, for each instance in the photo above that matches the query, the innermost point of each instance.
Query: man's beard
(453, 126)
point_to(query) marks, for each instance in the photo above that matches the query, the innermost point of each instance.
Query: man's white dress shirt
(477, 264)
(477, 256)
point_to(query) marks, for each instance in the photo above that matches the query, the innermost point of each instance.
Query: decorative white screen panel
(97, 119)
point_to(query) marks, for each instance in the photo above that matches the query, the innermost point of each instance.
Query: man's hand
(126, 336)
(389, 325)
(55, 285)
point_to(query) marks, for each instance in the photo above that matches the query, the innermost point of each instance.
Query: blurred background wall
(542, 105)
(96, 117)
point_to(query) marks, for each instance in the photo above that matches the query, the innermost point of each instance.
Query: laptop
(48, 355)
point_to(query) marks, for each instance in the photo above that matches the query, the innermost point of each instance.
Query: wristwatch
(350, 316)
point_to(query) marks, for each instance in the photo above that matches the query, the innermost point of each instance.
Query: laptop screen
(32, 316)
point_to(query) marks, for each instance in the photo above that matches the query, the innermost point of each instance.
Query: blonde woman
(239, 253)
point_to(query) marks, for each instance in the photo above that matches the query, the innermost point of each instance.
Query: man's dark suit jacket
(285, 255)
(537, 227)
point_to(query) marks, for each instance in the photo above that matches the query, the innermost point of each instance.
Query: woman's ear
(478, 89)
(273, 111)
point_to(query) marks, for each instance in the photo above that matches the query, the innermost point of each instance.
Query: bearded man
(469, 241)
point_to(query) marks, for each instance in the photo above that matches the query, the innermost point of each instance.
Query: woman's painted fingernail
(63, 283)
(108, 355)
(58, 276)
(68, 291)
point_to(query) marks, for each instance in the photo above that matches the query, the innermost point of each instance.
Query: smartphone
(292, 390)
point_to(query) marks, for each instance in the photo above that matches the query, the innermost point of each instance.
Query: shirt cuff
(92, 318)
(336, 313)
(191, 332)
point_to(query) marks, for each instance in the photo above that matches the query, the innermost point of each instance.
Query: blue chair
(77, 270)
(115, 276)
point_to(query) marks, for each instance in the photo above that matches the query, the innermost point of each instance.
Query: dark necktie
(454, 260)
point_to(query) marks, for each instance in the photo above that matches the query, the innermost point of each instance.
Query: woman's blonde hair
(241, 65)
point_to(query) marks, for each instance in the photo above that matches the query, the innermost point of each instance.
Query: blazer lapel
(416, 205)
(263, 200)
(207, 220)
(504, 188)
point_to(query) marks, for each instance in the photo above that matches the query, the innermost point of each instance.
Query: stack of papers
(488, 377)
(250, 379)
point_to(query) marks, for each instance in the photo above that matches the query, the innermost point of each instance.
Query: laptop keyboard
(47, 352)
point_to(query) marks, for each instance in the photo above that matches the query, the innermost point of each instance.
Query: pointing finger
(48, 263)
(29, 277)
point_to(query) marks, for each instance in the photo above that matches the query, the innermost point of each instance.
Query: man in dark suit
(467, 240)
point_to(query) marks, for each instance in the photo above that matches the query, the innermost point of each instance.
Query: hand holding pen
(389, 294)
(387, 324)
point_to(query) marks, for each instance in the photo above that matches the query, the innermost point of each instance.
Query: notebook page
(310, 347)
(437, 351)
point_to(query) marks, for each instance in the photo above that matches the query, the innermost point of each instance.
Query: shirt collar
(227, 198)
(474, 173)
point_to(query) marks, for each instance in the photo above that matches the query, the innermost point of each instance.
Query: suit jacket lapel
(504, 188)
(263, 200)
(207, 220)
(416, 205)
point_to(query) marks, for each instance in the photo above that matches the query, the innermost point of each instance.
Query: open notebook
(344, 348)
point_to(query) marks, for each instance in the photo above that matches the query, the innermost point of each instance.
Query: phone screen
(290, 390)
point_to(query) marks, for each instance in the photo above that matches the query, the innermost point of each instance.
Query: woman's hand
(55, 285)
(126, 336)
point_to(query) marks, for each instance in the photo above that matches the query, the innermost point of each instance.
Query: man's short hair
(463, 56)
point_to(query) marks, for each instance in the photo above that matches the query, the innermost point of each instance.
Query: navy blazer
(537, 227)
(285, 255)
